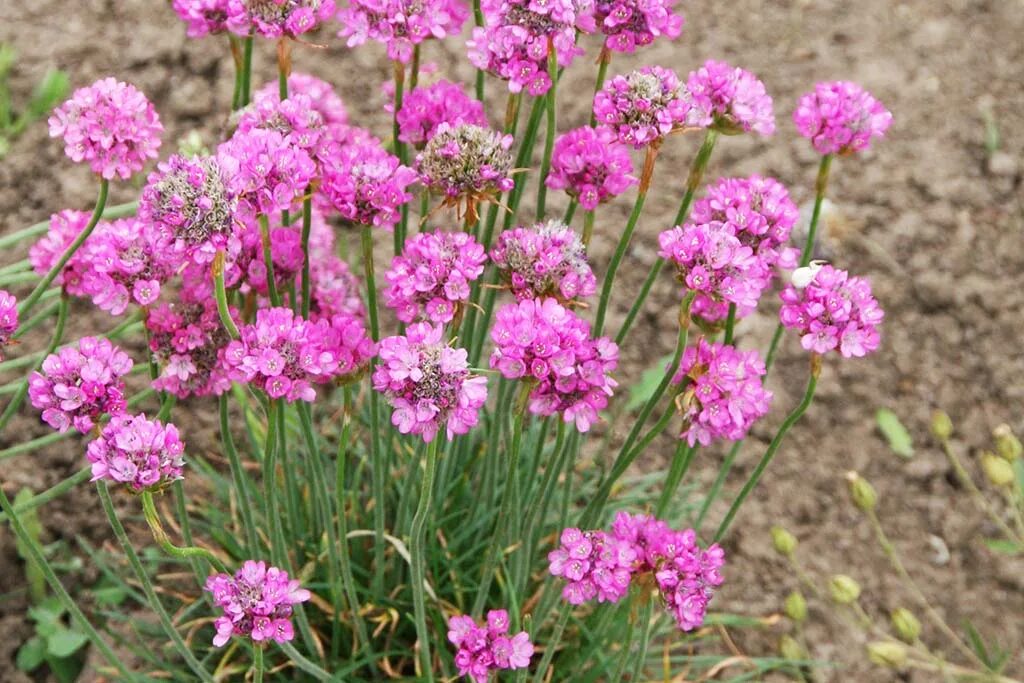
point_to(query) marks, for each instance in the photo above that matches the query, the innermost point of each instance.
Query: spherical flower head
(630, 24)
(8, 318)
(80, 383)
(729, 100)
(146, 455)
(428, 383)
(646, 535)
(687, 578)
(643, 106)
(277, 18)
(466, 162)
(296, 118)
(203, 17)
(111, 126)
(591, 166)
(186, 339)
(544, 343)
(257, 603)
(832, 311)
(723, 394)
(366, 184)
(321, 94)
(430, 279)
(65, 227)
(427, 107)
(841, 117)
(544, 260)
(483, 649)
(401, 24)
(265, 171)
(594, 565)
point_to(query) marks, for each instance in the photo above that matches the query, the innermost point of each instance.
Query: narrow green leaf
(1002, 546)
(895, 433)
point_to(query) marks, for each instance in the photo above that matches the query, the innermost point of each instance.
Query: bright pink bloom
(321, 94)
(366, 184)
(594, 564)
(540, 340)
(186, 339)
(546, 259)
(630, 24)
(643, 105)
(428, 383)
(401, 24)
(296, 118)
(481, 650)
(590, 165)
(65, 227)
(430, 279)
(841, 118)
(265, 171)
(79, 384)
(277, 18)
(730, 100)
(8, 318)
(466, 161)
(257, 602)
(110, 125)
(714, 263)
(428, 106)
(144, 454)
(248, 270)
(833, 312)
(333, 287)
(202, 16)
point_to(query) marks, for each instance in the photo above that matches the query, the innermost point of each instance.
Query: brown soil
(928, 215)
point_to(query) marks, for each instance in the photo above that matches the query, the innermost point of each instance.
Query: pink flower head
(248, 270)
(483, 649)
(544, 260)
(80, 383)
(643, 106)
(186, 339)
(264, 170)
(321, 94)
(466, 162)
(833, 312)
(257, 603)
(723, 392)
(841, 118)
(630, 24)
(202, 16)
(428, 106)
(296, 118)
(144, 454)
(110, 125)
(591, 166)
(549, 345)
(730, 100)
(65, 227)
(430, 279)
(366, 184)
(8, 318)
(277, 18)
(594, 565)
(514, 41)
(333, 287)
(428, 383)
(401, 24)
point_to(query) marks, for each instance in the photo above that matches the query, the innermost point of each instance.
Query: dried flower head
(466, 163)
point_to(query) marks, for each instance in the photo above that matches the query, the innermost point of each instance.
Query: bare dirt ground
(936, 222)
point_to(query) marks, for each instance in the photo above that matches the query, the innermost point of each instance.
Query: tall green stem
(149, 511)
(417, 552)
(222, 297)
(680, 464)
(257, 663)
(603, 60)
(271, 512)
(238, 476)
(268, 261)
(379, 464)
(716, 487)
(552, 643)
(400, 151)
(307, 225)
(549, 138)
(246, 70)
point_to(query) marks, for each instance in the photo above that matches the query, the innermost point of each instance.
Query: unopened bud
(942, 426)
(784, 542)
(843, 589)
(1008, 446)
(906, 625)
(796, 606)
(790, 649)
(999, 471)
(864, 495)
(885, 653)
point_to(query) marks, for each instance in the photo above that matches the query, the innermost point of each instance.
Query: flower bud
(864, 495)
(843, 589)
(906, 625)
(942, 426)
(784, 542)
(790, 649)
(796, 606)
(884, 653)
(998, 471)
(1008, 446)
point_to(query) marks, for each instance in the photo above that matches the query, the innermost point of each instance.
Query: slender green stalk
(304, 664)
(552, 643)
(240, 479)
(307, 225)
(976, 494)
(730, 324)
(40, 228)
(680, 464)
(551, 472)
(38, 319)
(49, 494)
(478, 20)
(19, 398)
(257, 663)
(549, 138)
(268, 261)
(414, 68)
(222, 297)
(638, 303)
(400, 151)
(236, 58)
(647, 624)
(627, 648)
(271, 512)
(588, 227)
(603, 60)
(716, 487)
(417, 551)
(16, 267)
(149, 511)
(246, 70)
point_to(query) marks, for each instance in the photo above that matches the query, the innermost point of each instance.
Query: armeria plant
(406, 490)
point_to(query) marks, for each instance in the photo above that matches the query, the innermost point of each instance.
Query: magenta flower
(366, 184)
(428, 383)
(265, 171)
(841, 118)
(79, 384)
(643, 106)
(591, 166)
(186, 339)
(466, 162)
(203, 17)
(730, 100)
(401, 24)
(630, 24)
(430, 279)
(483, 649)
(257, 601)
(277, 18)
(321, 94)
(549, 345)
(723, 392)
(333, 288)
(594, 565)
(8, 318)
(248, 270)
(428, 106)
(144, 454)
(832, 311)
(544, 260)
(296, 118)
(111, 126)
(65, 227)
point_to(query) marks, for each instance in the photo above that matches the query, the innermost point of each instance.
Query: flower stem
(418, 554)
(400, 151)
(478, 20)
(379, 465)
(307, 225)
(49, 494)
(979, 498)
(221, 295)
(257, 664)
(149, 511)
(553, 642)
(634, 310)
(305, 664)
(549, 139)
(603, 60)
(246, 70)
(588, 227)
(236, 58)
(716, 487)
(730, 325)
(268, 261)
(680, 464)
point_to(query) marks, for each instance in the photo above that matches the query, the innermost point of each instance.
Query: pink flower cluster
(428, 106)
(186, 339)
(833, 312)
(431, 277)
(265, 170)
(65, 227)
(110, 125)
(144, 454)
(724, 395)
(8, 318)
(248, 270)
(401, 24)
(321, 94)
(257, 603)
(513, 42)
(840, 118)
(202, 16)
(466, 161)
(285, 355)
(366, 184)
(591, 166)
(483, 649)
(730, 100)
(544, 260)
(78, 385)
(594, 565)
(296, 118)
(277, 18)
(333, 287)
(630, 24)
(428, 383)
(643, 106)
(540, 340)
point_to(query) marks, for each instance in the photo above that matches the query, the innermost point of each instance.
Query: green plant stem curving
(417, 551)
